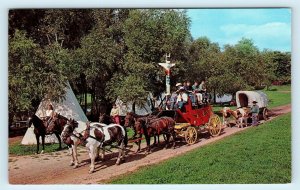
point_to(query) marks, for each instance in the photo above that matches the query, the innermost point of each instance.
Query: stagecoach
(192, 120)
(244, 99)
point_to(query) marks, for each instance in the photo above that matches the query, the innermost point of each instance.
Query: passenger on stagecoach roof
(182, 98)
(202, 86)
(178, 85)
(195, 85)
(188, 86)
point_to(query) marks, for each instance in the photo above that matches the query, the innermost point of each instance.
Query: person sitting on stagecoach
(197, 91)
(115, 114)
(202, 90)
(188, 87)
(182, 98)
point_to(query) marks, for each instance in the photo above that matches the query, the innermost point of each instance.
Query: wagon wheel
(265, 114)
(215, 125)
(190, 135)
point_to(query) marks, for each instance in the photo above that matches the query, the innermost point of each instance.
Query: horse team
(96, 136)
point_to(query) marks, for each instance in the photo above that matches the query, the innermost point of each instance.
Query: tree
(34, 73)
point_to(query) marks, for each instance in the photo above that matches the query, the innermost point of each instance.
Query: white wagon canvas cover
(245, 99)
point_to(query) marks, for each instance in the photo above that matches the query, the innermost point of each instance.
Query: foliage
(238, 159)
(35, 72)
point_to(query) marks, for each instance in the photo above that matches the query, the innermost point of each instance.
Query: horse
(130, 120)
(155, 127)
(240, 115)
(56, 126)
(39, 130)
(72, 139)
(106, 119)
(101, 136)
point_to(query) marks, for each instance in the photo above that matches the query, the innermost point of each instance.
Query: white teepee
(69, 108)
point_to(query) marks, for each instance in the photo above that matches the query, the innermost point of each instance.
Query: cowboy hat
(181, 88)
(254, 101)
(178, 84)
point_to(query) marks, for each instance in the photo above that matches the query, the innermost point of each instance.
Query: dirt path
(53, 168)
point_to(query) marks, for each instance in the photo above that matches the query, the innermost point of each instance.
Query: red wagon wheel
(214, 125)
(191, 135)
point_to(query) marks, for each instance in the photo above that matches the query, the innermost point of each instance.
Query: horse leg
(120, 153)
(43, 143)
(148, 138)
(92, 154)
(174, 141)
(154, 143)
(139, 144)
(123, 152)
(37, 143)
(75, 155)
(167, 141)
(72, 155)
(102, 152)
(59, 141)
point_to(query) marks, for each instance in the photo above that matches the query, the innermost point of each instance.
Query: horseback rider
(49, 114)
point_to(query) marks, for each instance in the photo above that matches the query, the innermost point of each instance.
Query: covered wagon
(245, 99)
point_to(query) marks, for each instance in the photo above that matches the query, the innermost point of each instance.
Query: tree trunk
(215, 97)
(85, 101)
(133, 107)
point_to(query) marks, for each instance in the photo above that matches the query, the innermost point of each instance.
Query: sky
(269, 28)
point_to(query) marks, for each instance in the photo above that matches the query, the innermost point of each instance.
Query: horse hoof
(42, 151)
(75, 166)
(91, 171)
(71, 164)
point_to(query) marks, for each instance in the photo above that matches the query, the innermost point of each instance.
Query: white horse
(98, 136)
(240, 115)
(72, 136)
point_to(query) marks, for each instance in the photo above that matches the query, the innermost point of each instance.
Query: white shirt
(49, 113)
(182, 97)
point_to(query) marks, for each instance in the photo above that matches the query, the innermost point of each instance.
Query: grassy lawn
(257, 155)
(279, 95)
(18, 149)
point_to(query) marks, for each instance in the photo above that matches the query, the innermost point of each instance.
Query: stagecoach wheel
(215, 125)
(190, 135)
(265, 114)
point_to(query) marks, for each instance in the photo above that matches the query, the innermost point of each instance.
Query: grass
(20, 150)
(279, 95)
(257, 155)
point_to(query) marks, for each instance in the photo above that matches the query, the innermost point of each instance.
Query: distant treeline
(115, 52)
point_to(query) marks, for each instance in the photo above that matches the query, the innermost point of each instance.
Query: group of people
(196, 92)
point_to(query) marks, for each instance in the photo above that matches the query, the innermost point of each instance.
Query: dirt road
(53, 168)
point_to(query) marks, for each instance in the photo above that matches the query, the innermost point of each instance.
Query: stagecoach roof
(245, 98)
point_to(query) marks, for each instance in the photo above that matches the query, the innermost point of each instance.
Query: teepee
(68, 107)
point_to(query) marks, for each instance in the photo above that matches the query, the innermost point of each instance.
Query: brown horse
(106, 119)
(130, 120)
(39, 130)
(155, 127)
(56, 126)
